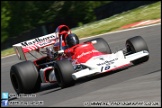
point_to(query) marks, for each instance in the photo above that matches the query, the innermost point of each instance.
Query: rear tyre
(101, 45)
(63, 72)
(136, 44)
(25, 78)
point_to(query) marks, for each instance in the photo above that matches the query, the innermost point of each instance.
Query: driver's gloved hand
(58, 53)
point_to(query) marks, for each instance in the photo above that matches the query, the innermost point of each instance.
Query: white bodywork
(102, 63)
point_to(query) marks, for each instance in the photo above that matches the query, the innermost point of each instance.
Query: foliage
(5, 18)
(19, 16)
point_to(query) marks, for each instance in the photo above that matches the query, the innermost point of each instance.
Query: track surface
(140, 84)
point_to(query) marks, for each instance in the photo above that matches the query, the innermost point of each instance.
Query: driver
(71, 41)
(68, 40)
(64, 31)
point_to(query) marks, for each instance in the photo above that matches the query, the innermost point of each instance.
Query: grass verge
(7, 52)
(146, 12)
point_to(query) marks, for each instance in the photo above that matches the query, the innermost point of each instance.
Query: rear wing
(34, 44)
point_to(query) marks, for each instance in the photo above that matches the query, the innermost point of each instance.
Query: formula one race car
(85, 59)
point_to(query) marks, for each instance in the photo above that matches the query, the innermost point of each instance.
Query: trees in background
(5, 18)
(20, 16)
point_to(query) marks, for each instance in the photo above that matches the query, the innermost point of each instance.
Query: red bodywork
(82, 52)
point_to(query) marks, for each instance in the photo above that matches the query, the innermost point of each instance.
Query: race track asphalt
(139, 85)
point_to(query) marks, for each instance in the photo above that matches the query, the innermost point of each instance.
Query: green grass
(152, 11)
(7, 52)
(147, 12)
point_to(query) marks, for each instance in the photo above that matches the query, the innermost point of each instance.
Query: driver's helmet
(72, 40)
(62, 30)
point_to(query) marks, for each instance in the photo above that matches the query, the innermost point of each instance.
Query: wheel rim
(129, 49)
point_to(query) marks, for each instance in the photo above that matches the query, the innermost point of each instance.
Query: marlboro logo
(36, 40)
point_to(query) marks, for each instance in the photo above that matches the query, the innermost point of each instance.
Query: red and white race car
(84, 59)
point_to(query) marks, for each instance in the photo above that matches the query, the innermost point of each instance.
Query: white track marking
(121, 31)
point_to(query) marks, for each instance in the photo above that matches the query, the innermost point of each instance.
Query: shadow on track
(50, 86)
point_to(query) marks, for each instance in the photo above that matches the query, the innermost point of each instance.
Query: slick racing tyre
(101, 45)
(25, 78)
(136, 44)
(63, 72)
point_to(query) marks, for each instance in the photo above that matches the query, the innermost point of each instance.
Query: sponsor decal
(107, 62)
(101, 58)
(36, 40)
(89, 52)
(44, 43)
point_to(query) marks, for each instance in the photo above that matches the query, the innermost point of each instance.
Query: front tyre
(63, 71)
(101, 45)
(25, 78)
(136, 44)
